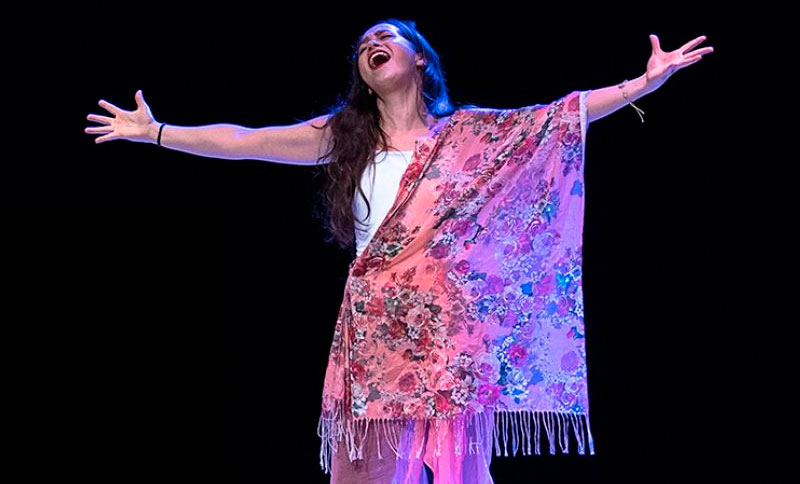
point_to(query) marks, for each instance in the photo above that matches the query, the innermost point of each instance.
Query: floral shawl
(465, 311)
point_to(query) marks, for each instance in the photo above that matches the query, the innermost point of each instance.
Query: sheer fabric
(420, 443)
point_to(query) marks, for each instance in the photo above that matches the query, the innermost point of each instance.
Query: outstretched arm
(602, 102)
(660, 66)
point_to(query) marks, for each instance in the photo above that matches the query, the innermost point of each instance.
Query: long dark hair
(356, 133)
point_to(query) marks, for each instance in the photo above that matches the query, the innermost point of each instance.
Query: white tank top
(380, 182)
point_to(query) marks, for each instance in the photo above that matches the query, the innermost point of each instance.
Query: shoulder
(567, 100)
(489, 115)
(473, 113)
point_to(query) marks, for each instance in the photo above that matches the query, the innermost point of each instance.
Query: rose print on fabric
(464, 315)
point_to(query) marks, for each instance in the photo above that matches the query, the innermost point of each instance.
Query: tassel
(528, 431)
(496, 435)
(514, 417)
(378, 439)
(505, 432)
(473, 428)
(459, 433)
(548, 427)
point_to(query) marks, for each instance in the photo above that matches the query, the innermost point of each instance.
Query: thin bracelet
(638, 111)
(159, 133)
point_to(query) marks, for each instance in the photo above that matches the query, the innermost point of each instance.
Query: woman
(462, 314)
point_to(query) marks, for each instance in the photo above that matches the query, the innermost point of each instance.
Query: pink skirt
(420, 441)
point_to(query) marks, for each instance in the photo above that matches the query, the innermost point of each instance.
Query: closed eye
(381, 37)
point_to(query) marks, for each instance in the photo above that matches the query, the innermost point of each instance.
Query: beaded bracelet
(638, 111)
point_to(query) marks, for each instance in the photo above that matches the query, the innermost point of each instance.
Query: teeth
(375, 55)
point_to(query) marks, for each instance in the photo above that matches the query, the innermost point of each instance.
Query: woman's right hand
(136, 125)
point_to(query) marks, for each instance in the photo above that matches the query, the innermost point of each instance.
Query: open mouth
(378, 59)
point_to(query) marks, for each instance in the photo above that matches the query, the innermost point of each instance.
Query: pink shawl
(464, 314)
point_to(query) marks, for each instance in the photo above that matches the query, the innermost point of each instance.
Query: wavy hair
(356, 134)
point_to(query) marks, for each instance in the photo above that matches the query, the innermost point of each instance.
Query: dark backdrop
(181, 308)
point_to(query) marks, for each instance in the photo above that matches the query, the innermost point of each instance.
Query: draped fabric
(462, 320)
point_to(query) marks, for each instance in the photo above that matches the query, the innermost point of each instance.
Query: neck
(404, 112)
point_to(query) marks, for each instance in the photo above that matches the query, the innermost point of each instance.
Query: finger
(689, 62)
(99, 119)
(98, 129)
(139, 98)
(692, 43)
(703, 51)
(102, 139)
(654, 40)
(113, 109)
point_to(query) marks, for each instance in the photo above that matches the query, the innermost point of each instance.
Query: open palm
(130, 125)
(662, 65)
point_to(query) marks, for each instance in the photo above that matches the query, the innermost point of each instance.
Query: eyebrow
(377, 32)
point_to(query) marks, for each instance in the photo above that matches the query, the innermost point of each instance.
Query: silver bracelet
(638, 111)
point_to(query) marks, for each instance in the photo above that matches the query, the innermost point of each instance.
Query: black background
(174, 310)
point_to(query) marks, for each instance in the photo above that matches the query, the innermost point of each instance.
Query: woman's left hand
(662, 64)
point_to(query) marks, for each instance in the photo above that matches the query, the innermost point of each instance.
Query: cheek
(405, 55)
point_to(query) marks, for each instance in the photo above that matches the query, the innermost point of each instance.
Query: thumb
(654, 41)
(139, 98)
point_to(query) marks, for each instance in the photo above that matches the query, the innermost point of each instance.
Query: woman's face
(398, 62)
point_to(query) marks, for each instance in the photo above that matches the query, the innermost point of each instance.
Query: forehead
(375, 29)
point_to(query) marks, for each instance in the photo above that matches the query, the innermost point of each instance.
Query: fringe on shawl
(332, 428)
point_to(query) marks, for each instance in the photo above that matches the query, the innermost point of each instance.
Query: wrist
(633, 90)
(636, 88)
(152, 132)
